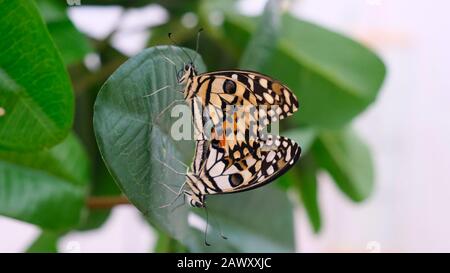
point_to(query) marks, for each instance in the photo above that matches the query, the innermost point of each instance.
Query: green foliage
(35, 88)
(347, 158)
(72, 45)
(335, 77)
(47, 173)
(307, 187)
(46, 242)
(46, 188)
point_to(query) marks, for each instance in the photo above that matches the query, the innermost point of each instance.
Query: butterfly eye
(186, 67)
(229, 86)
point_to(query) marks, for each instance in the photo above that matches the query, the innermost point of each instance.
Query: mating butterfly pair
(246, 159)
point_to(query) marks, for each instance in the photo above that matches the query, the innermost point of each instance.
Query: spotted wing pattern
(257, 99)
(220, 174)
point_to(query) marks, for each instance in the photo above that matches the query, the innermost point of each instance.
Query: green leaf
(264, 38)
(334, 77)
(130, 142)
(46, 242)
(35, 90)
(307, 187)
(303, 136)
(45, 188)
(348, 160)
(72, 44)
(260, 220)
(167, 244)
(337, 78)
(133, 141)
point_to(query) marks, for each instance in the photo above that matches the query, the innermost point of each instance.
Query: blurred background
(407, 129)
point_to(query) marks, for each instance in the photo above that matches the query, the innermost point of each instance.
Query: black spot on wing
(229, 86)
(235, 179)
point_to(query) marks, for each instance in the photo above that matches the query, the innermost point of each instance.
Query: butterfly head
(194, 196)
(187, 72)
(195, 200)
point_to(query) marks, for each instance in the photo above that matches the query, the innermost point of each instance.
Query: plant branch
(106, 202)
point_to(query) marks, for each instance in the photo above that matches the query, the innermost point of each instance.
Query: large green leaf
(133, 141)
(260, 220)
(334, 77)
(242, 219)
(72, 44)
(348, 160)
(35, 90)
(45, 188)
(130, 143)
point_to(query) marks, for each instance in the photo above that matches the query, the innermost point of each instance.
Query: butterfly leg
(182, 204)
(157, 91)
(178, 194)
(156, 120)
(171, 202)
(169, 167)
(206, 229)
(179, 161)
(220, 229)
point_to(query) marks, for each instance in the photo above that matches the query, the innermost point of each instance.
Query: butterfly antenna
(175, 43)
(206, 229)
(198, 43)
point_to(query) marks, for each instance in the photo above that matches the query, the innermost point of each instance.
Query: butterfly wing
(274, 156)
(244, 87)
(259, 100)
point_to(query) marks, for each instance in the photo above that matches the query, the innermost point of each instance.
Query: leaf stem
(106, 202)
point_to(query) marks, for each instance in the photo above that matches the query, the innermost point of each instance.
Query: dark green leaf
(133, 141)
(167, 244)
(260, 220)
(130, 141)
(46, 242)
(334, 77)
(35, 93)
(45, 188)
(347, 158)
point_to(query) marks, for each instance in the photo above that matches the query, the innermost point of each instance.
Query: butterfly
(213, 172)
(255, 101)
